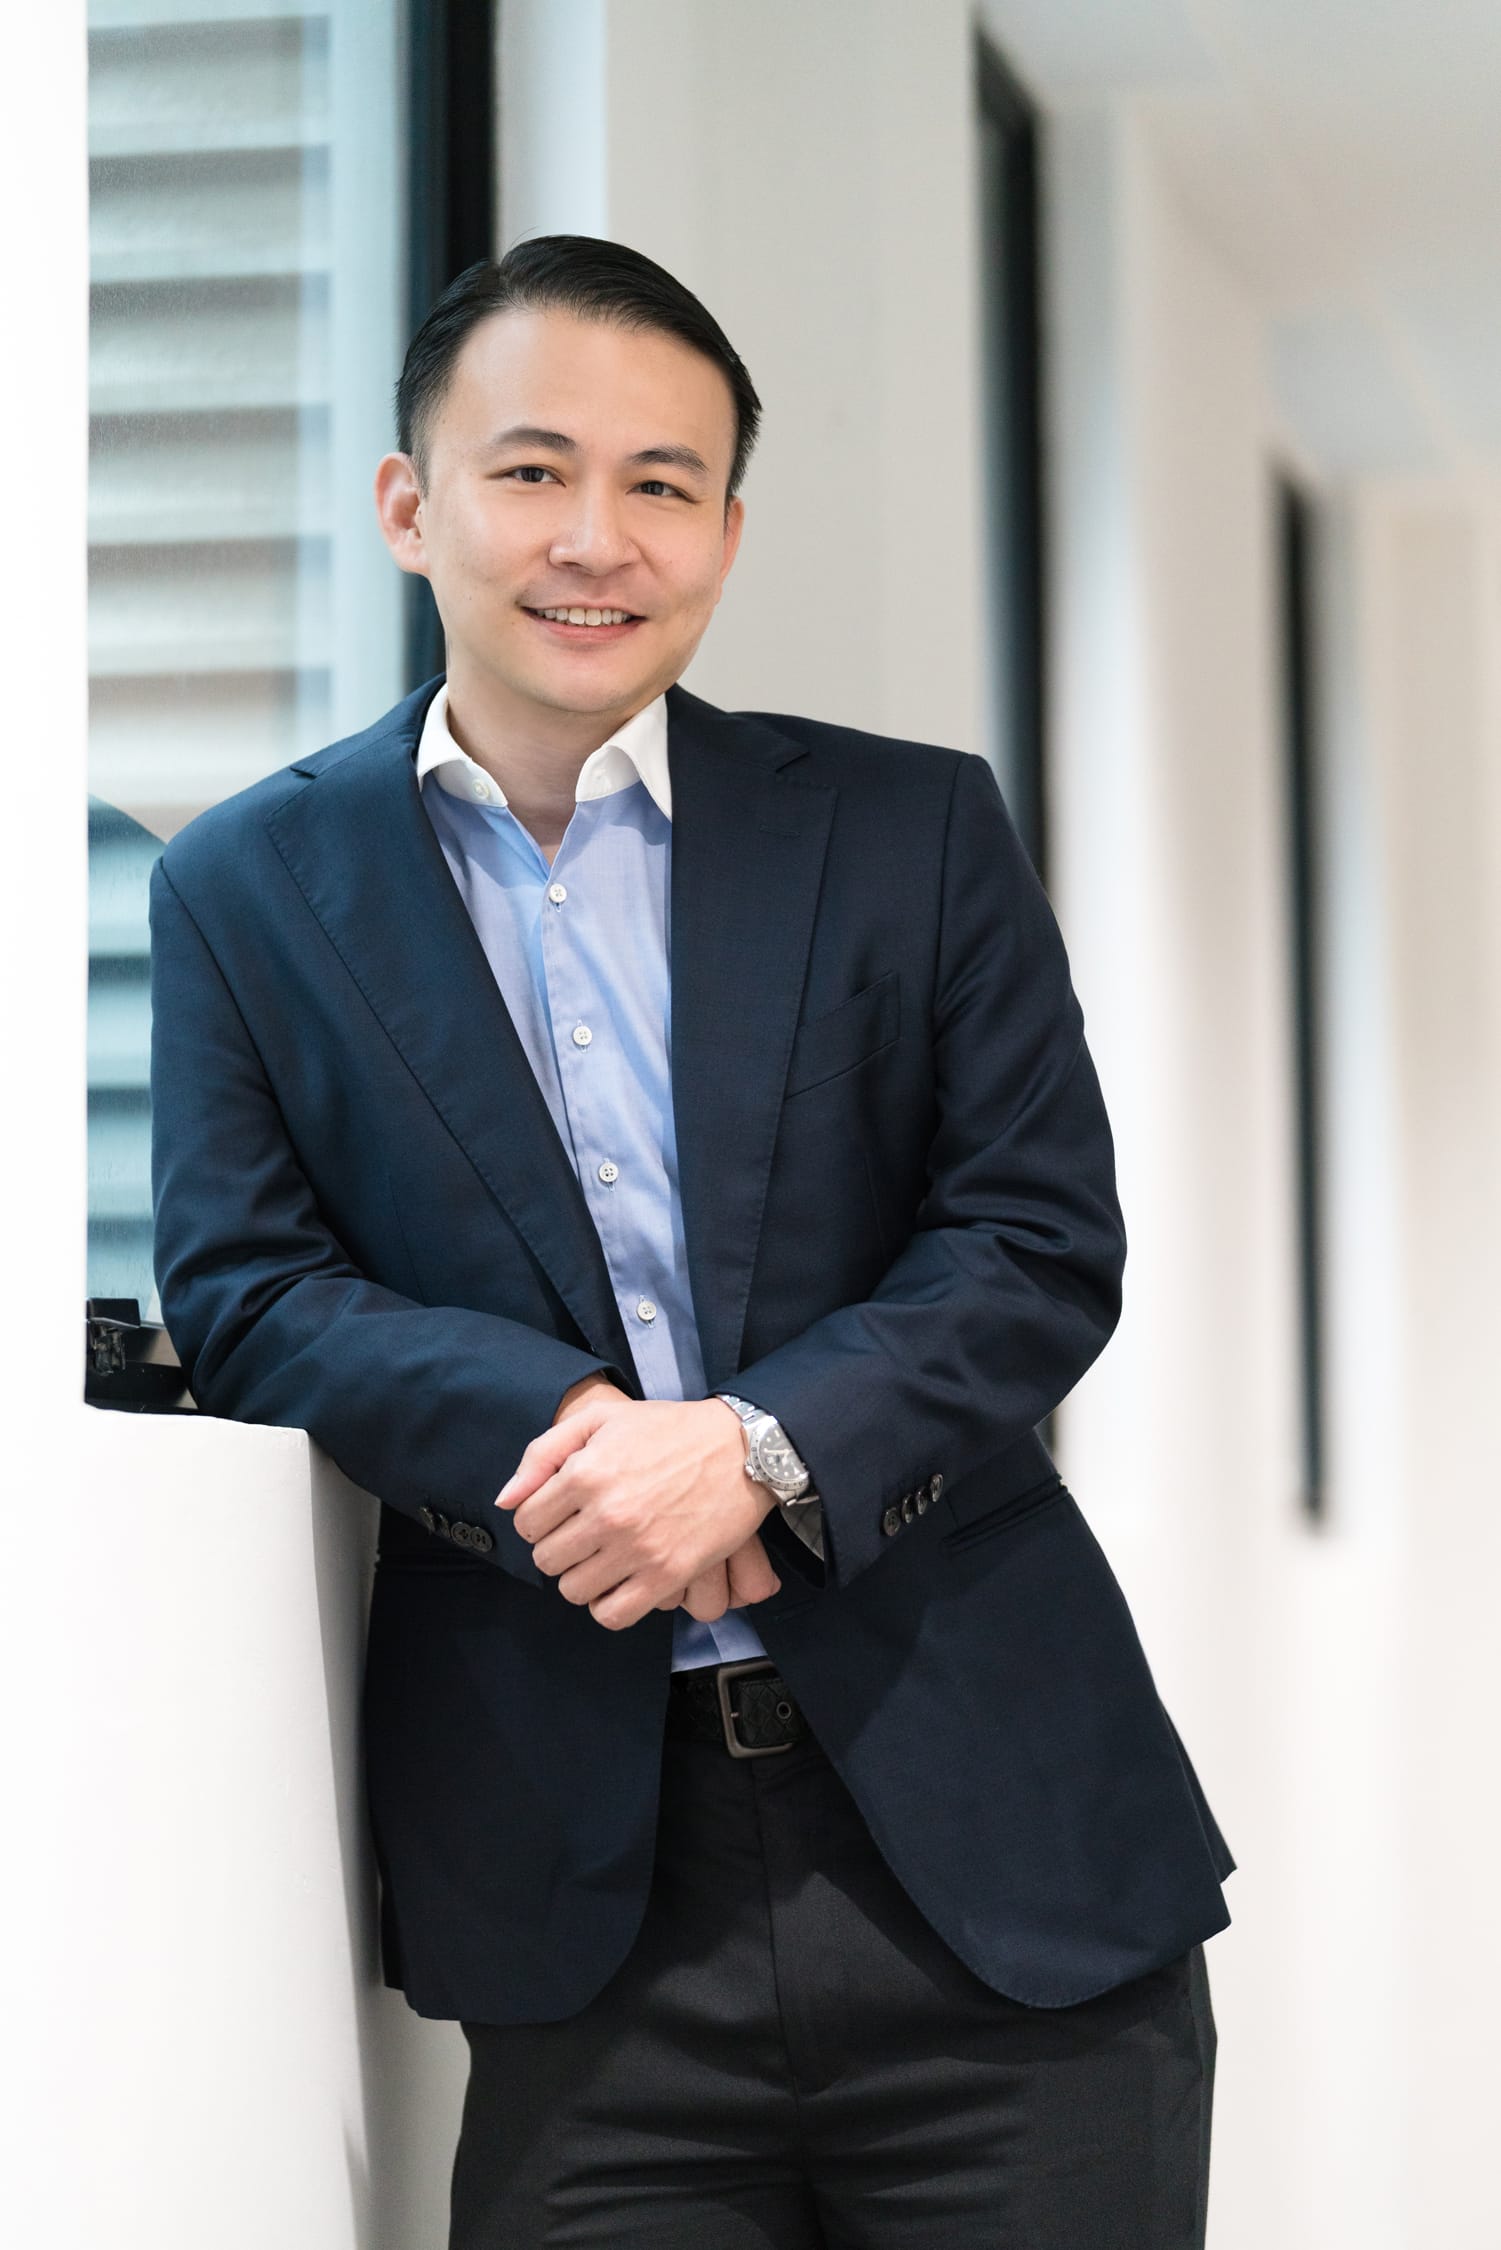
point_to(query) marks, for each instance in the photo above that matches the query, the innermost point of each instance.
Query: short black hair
(577, 273)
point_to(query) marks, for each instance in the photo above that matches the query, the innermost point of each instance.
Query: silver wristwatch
(770, 1458)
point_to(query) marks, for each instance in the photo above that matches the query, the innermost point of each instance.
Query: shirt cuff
(806, 1518)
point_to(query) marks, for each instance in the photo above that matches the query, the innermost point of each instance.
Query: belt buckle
(732, 1742)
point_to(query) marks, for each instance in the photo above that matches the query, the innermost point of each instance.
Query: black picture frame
(1295, 542)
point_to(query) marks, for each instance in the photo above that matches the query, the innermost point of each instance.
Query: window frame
(452, 215)
(1013, 374)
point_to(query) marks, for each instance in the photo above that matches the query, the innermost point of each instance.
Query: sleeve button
(891, 1521)
(935, 1485)
(909, 1507)
(480, 1539)
(427, 1519)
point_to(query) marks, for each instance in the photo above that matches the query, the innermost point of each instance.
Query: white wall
(1166, 818)
(1428, 560)
(1337, 1687)
(210, 2054)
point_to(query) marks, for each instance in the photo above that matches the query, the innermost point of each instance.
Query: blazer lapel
(361, 849)
(748, 846)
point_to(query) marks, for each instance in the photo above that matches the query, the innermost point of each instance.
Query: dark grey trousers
(790, 2058)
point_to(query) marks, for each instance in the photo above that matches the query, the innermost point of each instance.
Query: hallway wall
(1169, 884)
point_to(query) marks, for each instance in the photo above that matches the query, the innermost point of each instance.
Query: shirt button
(645, 1309)
(582, 1035)
(609, 1172)
(480, 788)
(557, 892)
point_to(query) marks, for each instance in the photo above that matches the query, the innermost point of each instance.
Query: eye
(529, 471)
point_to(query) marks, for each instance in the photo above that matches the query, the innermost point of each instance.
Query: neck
(535, 753)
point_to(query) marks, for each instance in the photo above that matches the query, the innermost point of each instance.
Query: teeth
(587, 616)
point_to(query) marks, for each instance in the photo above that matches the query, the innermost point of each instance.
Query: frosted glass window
(248, 291)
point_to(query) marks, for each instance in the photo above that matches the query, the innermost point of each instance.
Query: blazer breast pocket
(829, 1044)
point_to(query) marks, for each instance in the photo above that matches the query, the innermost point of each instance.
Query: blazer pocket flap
(829, 1044)
(977, 1512)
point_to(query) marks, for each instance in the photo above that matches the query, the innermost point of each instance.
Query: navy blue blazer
(903, 1239)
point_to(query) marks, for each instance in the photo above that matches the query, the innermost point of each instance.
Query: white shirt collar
(635, 752)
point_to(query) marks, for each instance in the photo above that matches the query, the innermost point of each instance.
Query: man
(655, 1151)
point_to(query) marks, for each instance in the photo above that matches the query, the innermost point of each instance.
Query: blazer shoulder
(856, 754)
(214, 843)
(215, 837)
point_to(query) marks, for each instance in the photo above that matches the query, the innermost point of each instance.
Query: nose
(594, 536)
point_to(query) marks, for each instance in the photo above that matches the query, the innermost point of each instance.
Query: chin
(586, 696)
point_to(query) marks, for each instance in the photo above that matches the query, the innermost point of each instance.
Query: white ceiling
(1345, 157)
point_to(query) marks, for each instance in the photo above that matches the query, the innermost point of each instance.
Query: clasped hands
(639, 1504)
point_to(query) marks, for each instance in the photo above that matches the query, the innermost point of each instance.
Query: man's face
(541, 493)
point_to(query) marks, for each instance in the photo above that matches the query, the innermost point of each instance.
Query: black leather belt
(746, 1708)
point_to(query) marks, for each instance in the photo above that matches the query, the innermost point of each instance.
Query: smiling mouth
(585, 619)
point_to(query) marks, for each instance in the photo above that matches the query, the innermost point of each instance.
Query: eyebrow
(650, 456)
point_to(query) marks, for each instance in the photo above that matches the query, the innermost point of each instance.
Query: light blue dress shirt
(580, 952)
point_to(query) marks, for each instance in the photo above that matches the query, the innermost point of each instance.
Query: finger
(551, 1507)
(582, 1583)
(752, 1578)
(561, 1498)
(625, 1604)
(547, 1453)
(567, 1547)
(708, 1595)
(701, 1589)
(543, 1458)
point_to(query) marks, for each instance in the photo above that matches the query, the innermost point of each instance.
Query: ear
(398, 504)
(734, 524)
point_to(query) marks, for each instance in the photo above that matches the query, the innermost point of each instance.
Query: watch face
(780, 1461)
